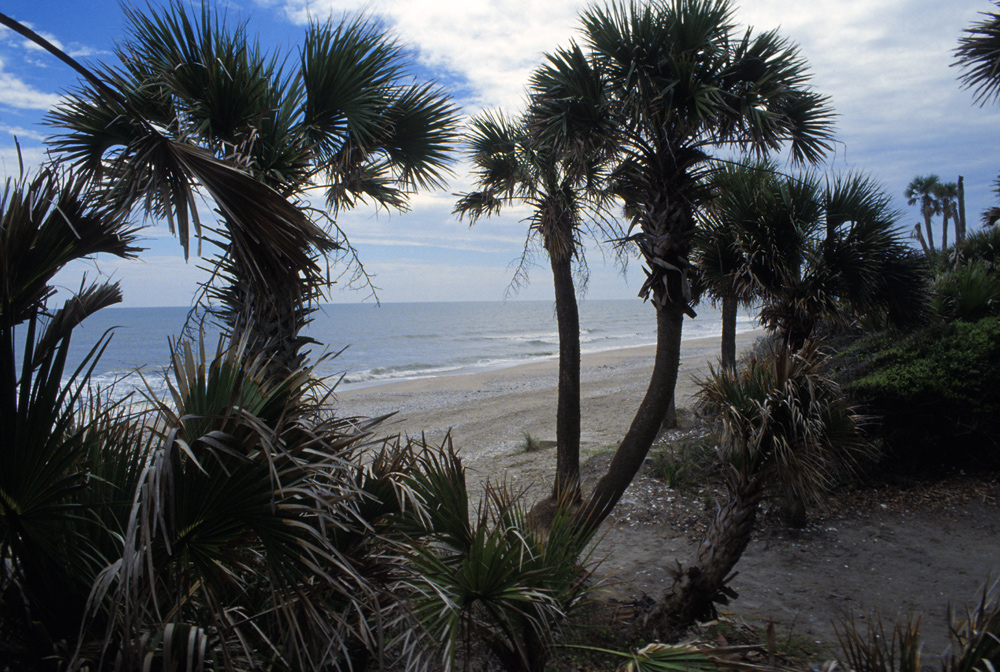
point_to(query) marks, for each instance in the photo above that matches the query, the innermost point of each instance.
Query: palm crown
(197, 104)
(665, 107)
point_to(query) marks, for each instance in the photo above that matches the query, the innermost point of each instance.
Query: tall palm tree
(668, 82)
(345, 116)
(723, 249)
(510, 170)
(785, 426)
(921, 192)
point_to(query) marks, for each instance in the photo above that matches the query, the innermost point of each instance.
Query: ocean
(393, 341)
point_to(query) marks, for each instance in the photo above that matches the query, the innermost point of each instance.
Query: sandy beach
(489, 412)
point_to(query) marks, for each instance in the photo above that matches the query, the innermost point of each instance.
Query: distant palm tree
(724, 245)
(921, 191)
(511, 170)
(345, 117)
(946, 194)
(666, 83)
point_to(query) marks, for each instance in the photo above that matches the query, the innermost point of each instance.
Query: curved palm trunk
(729, 310)
(567, 481)
(697, 588)
(646, 423)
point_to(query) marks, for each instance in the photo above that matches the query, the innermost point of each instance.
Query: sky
(885, 64)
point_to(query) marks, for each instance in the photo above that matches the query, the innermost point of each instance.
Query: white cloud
(148, 281)
(32, 157)
(493, 46)
(19, 94)
(21, 133)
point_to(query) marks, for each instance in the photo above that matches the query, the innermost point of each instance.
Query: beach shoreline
(489, 413)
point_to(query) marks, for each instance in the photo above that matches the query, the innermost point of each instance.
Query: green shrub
(935, 394)
(969, 293)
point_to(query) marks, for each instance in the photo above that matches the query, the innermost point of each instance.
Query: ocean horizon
(367, 344)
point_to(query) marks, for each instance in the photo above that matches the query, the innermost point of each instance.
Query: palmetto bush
(51, 541)
(974, 635)
(493, 584)
(258, 530)
(786, 428)
(235, 525)
(969, 292)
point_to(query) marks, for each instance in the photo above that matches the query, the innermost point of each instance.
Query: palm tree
(946, 194)
(723, 249)
(346, 117)
(511, 170)
(785, 426)
(842, 258)
(666, 83)
(921, 191)
(978, 55)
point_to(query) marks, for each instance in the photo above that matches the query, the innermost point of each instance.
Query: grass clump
(685, 462)
(532, 445)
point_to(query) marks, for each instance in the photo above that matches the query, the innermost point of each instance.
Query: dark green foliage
(936, 393)
(970, 293)
(495, 582)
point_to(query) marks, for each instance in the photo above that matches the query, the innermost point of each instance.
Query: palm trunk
(567, 481)
(944, 231)
(729, 309)
(930, 234)
(646, 423)
(268, 312)
(697, 589)
(960, 218)
(919, 235)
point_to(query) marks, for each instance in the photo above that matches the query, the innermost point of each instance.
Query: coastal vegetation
(243, 523)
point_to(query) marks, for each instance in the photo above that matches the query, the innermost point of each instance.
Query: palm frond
(978, 55)
(785, 423)
(247, 521)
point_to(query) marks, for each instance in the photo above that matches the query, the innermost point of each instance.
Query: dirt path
(897, 552)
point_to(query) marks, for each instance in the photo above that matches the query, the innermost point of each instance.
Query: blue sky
(886, 64)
